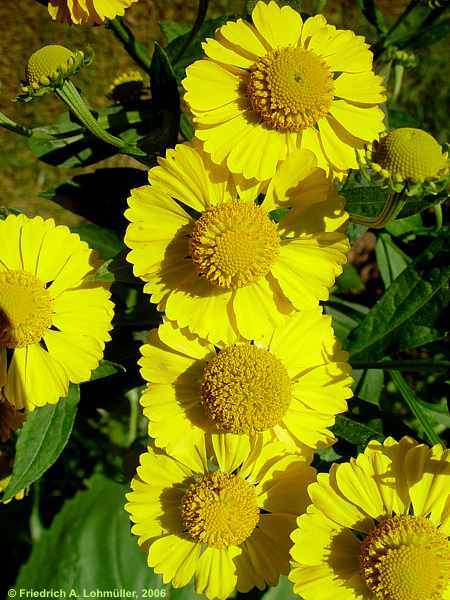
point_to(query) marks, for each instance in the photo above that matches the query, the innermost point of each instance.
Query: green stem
(382, 45)
(201, 14)
(36, 528)
(398, 80)
(11, 125)
(412, 401)
(133, 399)
(438, 216)
(391, 209)
(137, 51)
(402, 365)
(69, 94)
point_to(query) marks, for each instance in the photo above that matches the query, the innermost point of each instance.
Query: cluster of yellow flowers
(238, 237)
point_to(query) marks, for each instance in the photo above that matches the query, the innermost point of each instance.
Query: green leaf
(428, 36)
(172, 29)
(89, 547)
(346, 315)
(163, 83)
(368, 384)
(106, 242)
(356, 433)
(414, 405)
(365, 200)
(349, 279)
(409, 313)
(42, 438)
(106, 368)
(194, 51)
(390, 259)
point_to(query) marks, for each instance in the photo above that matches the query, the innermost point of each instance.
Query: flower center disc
(46, 61)
(234, 244)
(245, 389)
(290, 88)
(25, 309)
(406, 558)
(411, 153)
(220, 510)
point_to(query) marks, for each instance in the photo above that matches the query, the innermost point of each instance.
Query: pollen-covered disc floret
(406, 558)
(25, 309)
(234, 244)
(290, 88)
(245, 389)
(48, 67)
(220, 510)
(410, 153)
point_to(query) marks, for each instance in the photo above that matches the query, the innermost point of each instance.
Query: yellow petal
(243, 40)
(328, 498)
(360, 87)
(189, 175)
(256, 311)
(174, 558)
(364, 123)
(215, 575)
(230, 450)
(209, 85)
(337, 144)
(279, 27)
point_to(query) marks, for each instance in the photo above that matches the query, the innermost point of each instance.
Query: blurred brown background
(25, 26)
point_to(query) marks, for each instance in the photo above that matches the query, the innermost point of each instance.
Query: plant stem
(201, 14)
(403, 365)
(391, 209)
(69, 94)
(136, 50)
(11, 125)
(438, 216)
(413, 403)
(133, 399)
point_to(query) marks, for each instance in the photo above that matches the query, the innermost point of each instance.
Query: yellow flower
(227, 526)
(128, 87)
(87, 12)
(288, 389)
(279, 84)
(378, 527)
(223, 267)
(54, 319)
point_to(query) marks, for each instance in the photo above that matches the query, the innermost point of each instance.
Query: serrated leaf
(409, 313)
(42, 438)
(106, 368)
(89, 547)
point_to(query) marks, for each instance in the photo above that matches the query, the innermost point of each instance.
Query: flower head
(378, 527)
(80, 12)
(410, 157)
(277, 84)
(54, 318)
(128, 87)
(213, 257)
(288, 388)
(49, 67)
(226, 524)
